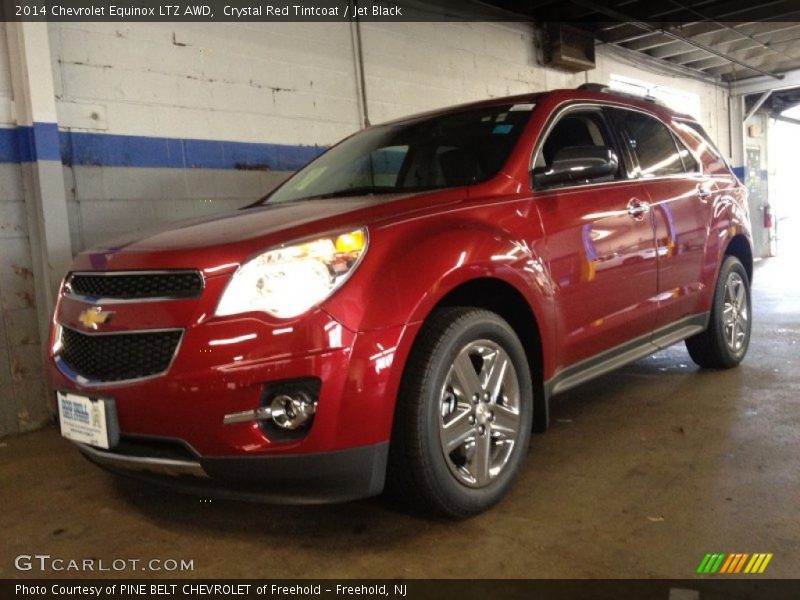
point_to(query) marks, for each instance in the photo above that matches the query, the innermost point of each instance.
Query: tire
(488, 438)
(724, 343)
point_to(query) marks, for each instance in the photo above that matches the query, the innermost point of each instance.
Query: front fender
(411, 265)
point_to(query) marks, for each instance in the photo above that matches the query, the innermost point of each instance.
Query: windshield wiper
(354, 191)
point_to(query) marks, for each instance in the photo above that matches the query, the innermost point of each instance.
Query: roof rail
(604, 89)
(593, 87)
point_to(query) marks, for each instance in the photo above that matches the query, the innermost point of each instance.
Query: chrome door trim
(609, 360)
(568, 105)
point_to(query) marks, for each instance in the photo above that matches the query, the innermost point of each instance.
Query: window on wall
(678, 100)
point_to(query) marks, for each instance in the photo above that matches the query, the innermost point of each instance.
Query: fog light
(292, 412)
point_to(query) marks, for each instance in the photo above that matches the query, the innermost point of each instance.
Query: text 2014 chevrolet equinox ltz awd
(400, 311)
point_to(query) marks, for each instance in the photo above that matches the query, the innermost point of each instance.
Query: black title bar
(717, 588)
(575, 11)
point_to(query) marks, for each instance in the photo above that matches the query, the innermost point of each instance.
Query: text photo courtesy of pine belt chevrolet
(398, 314)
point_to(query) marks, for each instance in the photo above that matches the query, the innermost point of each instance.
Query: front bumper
(207, 381)
(223, 366)
(292, 479)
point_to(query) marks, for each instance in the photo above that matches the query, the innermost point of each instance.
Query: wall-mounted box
(568, 48)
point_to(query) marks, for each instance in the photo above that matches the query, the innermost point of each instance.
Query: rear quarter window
(697, 139)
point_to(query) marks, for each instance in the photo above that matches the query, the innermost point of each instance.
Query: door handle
(702, 193)
(637, 208)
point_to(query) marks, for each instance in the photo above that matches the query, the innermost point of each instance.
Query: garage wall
(452, 63)
(164, 121)
(459, 62)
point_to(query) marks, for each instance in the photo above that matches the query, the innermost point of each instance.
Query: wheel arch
(506, 300)
(739, 246)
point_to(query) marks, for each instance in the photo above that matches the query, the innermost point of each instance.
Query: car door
(680, 200)
(600, 244)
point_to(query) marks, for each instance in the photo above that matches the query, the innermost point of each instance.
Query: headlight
(289, 280)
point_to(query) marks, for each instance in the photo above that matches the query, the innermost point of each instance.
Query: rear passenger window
(652, 143)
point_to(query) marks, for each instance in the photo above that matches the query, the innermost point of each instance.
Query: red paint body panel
(593, 276)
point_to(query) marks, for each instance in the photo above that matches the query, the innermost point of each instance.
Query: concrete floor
(642, 473)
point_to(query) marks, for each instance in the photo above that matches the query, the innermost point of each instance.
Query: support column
(749, 161)
(42, 178)
(40, 162)
(736, 133)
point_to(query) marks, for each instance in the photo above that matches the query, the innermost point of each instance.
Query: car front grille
(130, 285)
(118, 356)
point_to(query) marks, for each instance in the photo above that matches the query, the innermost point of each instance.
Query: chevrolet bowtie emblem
(93, 317)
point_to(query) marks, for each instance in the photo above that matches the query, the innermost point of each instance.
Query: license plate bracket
(88, 419)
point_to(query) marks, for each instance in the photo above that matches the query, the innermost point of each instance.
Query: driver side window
(576, 131)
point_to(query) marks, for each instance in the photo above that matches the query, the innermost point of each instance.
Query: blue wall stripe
(740, 173)
(43, 141)
(29, 143)
(9, 148)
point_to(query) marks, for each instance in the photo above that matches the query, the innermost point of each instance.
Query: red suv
(400, 311)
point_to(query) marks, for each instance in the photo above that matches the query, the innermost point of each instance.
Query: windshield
(432, 153)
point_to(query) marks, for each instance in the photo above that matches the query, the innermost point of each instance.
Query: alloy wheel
(479, 413)
(735, 312)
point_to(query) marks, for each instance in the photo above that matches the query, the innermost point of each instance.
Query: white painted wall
(281, 83)
(294, 83)
(285, 83)
(412, 67)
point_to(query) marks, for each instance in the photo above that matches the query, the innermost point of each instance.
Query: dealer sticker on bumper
(87, 420)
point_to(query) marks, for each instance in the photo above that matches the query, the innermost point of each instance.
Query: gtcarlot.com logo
(45, 562)
(721, 563)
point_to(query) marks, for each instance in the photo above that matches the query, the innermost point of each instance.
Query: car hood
(218, 243)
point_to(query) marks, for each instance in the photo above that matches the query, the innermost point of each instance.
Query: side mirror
(576, 164)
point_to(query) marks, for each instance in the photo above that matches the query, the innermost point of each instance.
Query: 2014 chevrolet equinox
(401, 310)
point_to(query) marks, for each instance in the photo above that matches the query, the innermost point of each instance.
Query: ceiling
(728, 40)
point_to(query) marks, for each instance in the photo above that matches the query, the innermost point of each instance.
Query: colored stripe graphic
(734, 563)
(767, 558)
(703, 563)
(727, 564)
(730, 566)
(711, 563)
(718, 563)
(740, 564)
(755, 561)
